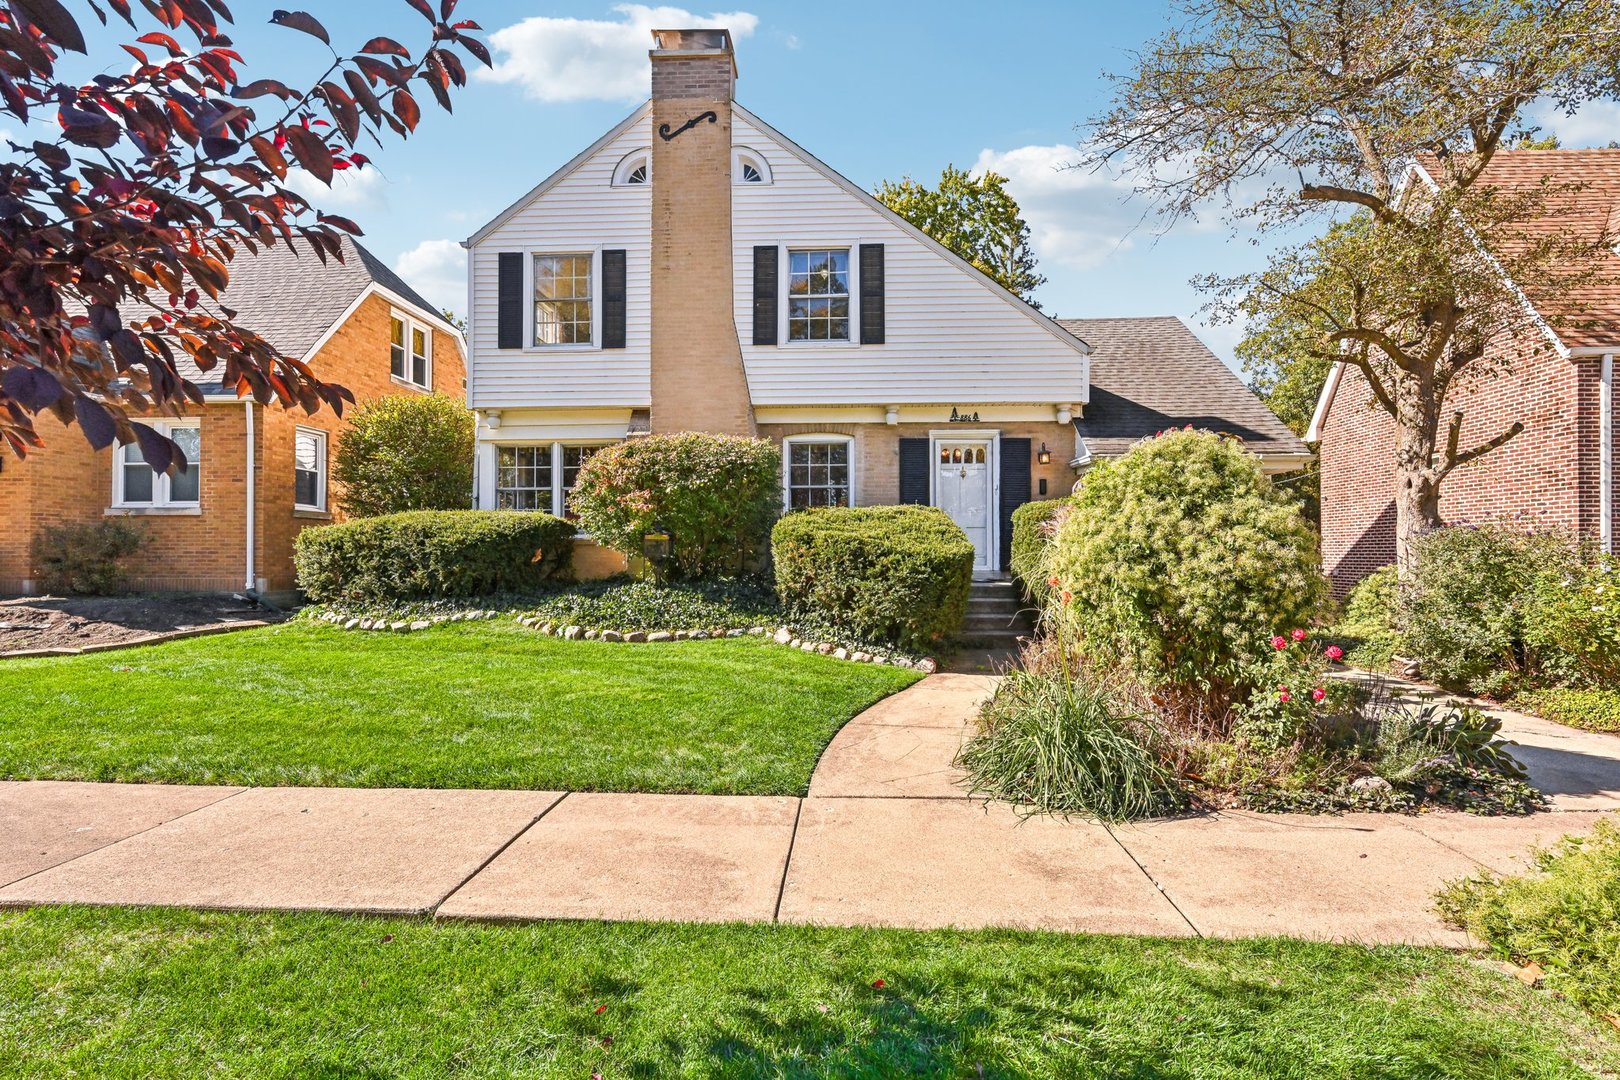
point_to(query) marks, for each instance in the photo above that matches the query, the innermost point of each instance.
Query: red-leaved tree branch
(117, 234)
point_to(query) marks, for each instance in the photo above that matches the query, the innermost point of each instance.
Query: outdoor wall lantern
(656, 547)
(1044, 456)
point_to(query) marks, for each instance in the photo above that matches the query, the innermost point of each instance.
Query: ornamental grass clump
(1059, 745)
(1179, 558)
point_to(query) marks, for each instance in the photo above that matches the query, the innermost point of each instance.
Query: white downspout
(1606, 455)
(251, 501)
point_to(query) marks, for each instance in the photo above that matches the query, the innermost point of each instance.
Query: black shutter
(765, 295)
(1014, 489)
(509, 294)
(914, 471)
(613, 293)
(871, 294)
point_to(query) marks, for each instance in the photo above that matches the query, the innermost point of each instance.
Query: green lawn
(140, 993)
(485, 705)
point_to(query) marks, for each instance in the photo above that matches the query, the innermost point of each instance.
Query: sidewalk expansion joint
(433, 910)
(1131, 855)
(787, 863)
(131, 836)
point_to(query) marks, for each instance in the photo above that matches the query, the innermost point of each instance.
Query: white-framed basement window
(136, 485)
(410, 350)
(309, 469)
(818, 470)
(539, 476)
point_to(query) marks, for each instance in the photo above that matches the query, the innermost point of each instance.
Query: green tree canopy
(976, 217)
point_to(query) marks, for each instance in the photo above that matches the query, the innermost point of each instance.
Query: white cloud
(1597, 123)
(1077, 216)
(352, 189)
(438, 270)
(593, 59)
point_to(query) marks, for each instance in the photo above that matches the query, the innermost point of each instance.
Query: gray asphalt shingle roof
(1149, 374)
(290, 298)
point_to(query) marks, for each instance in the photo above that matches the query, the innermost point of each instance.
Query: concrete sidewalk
(885, 837)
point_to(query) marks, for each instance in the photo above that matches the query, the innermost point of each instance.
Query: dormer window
(634, 169)
(748, 167)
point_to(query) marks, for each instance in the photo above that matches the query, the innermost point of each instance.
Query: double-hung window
(135, 484)
(538, 477)
(818, 473)
(309, 469)
(818, 295)
(410, 351)
(562, 299)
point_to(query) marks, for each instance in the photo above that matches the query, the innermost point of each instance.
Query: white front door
(962, 489)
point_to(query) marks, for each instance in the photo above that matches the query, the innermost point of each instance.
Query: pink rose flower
(1279, 642)
(1298, 635)
(1284, 696)
(1318, 694)
(1333, 652)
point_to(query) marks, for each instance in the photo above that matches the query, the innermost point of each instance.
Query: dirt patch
(74, 622)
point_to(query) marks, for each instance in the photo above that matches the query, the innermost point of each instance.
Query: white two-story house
(695, 269)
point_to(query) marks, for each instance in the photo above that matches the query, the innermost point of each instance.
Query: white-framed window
(309, 469)
(410, 348)
(818, 470)
(136, 485)
(539, 476)
(818, 294)
(749, 167)
(562, 299)
(634, 169)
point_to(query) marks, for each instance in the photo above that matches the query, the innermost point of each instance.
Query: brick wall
(206, 549)
(1546, 477)
(698, 382)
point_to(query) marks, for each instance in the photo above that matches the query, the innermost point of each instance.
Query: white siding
(581, 212)
(949, 338)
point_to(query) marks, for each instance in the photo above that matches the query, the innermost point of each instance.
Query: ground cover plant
(1563, 916)
(461, 705)
(1591, 710)
(142, 993)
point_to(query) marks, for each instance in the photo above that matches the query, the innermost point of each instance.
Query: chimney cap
(694, 42)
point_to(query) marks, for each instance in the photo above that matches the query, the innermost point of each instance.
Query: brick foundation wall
(1546, 477)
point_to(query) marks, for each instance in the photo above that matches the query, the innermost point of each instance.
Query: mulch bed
(33, 623)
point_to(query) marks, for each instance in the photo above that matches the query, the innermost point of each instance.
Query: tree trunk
(1417, 490)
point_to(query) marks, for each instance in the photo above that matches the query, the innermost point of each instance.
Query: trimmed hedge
(895, 574)
(428, 554)
(1034, 524)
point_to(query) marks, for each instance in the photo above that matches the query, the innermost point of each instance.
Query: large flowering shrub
(717, 494)
(1177, 558)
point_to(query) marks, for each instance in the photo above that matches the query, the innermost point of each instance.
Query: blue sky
(877, 90)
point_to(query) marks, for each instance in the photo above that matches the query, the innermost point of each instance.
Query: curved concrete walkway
(886, 836)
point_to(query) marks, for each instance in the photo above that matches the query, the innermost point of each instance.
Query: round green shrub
(430, 554)
(717, 495)
(1179, 561)
(896, 574)
(405, 452)
(1467, 608)
(1033, 526)
(1369, 628)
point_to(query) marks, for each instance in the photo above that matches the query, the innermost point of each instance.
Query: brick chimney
(698, 381)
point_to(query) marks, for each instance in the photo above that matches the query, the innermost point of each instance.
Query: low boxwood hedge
(1032, 529)
(427, 554)
(894, 574)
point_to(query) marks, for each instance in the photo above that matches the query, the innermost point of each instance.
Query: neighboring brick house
(1558, 472)
(260, 473)
(695, 269)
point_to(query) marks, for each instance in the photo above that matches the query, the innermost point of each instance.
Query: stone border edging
(780, 635)
(150, 639)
